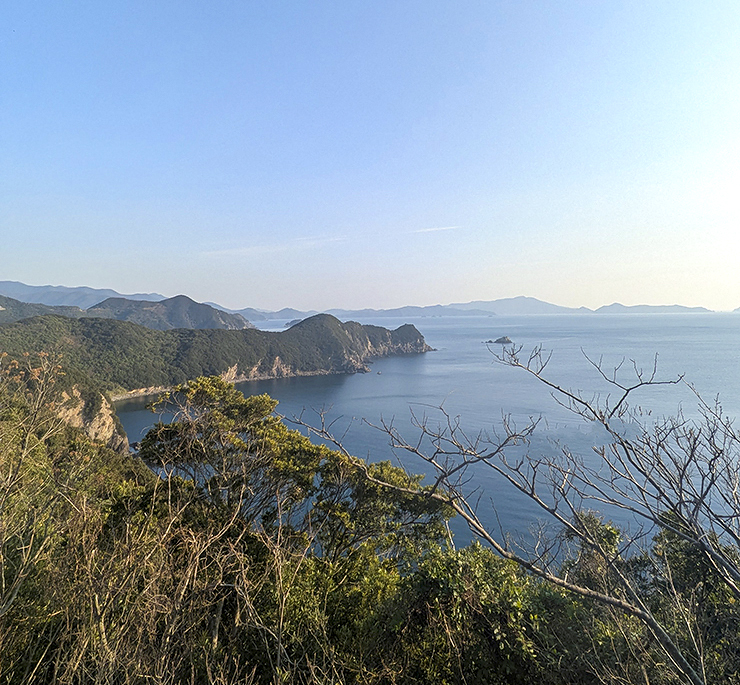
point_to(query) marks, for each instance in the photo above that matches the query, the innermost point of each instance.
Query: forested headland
(120, 356)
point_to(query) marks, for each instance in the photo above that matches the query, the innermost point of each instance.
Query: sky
(315, 154)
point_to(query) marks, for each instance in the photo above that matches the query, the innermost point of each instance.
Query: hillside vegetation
(14, 310)
(175, 312)
(120, 356)
(258, 557)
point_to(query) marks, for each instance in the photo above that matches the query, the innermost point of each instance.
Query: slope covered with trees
(175, 312)
(14, 310)
(121, 356)
(256, 556)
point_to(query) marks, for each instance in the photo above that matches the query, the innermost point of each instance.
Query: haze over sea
(463, 376)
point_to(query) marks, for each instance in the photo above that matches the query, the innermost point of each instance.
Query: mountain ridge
(521, 305)
(61, 295)
(174, 312)
(14, 310)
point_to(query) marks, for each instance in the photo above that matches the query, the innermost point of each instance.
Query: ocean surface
(463, 380)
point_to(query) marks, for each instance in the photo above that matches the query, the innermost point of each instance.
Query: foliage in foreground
(257, 556)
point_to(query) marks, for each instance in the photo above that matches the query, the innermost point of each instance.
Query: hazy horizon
(322, 155)
(332, 307)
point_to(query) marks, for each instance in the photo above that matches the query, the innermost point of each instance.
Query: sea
(464, 385)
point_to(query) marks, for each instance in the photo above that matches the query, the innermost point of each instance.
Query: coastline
(231, 378)
(278, 370)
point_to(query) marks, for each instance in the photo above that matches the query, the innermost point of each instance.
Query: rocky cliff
(120, 357)
(336, 347)
(95, 415)
(327, 346)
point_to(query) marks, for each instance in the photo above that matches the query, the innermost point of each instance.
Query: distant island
(617, 308)
(143, 308)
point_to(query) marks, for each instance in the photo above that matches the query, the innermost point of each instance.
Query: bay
(463, 380)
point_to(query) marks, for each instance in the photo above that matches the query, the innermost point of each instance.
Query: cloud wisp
(310, 242)
(436, 229)
(275, 247)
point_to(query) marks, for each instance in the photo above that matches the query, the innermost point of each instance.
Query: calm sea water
(463, 377)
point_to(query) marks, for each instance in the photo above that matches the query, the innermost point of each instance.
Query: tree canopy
(235, 549)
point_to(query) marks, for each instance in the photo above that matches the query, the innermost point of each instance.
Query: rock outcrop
(96, 416)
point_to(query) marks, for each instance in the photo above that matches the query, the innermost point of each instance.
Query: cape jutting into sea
(464, 378)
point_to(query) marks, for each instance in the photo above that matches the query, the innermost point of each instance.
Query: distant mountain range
(508, 306)
(156, 311)
(511, 306)
(61, 295)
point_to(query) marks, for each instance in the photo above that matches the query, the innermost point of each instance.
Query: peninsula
(121, 357)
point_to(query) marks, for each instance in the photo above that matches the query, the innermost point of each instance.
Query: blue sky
(351, 154)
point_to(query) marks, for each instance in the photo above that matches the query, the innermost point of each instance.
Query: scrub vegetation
(235, 550)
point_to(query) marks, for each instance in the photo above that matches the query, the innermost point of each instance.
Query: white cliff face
(102, 426)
